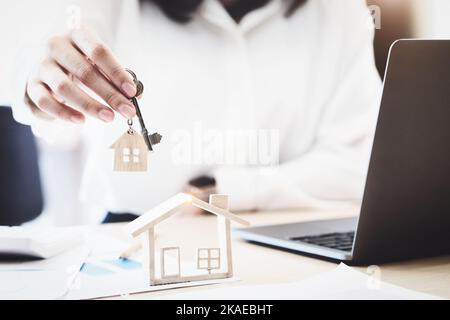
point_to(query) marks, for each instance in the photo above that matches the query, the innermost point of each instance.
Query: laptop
(405, 212)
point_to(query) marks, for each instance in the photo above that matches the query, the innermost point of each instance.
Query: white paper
(39, 242)
(341, 283)
(107, 276)
(43, 279)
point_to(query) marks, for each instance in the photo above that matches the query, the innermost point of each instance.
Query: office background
(399, 19)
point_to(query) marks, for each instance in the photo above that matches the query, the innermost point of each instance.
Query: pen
(132, 249)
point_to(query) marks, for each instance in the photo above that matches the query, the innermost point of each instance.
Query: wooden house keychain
(131, 149)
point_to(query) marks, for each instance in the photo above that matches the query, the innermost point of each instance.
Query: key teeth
(155, 138)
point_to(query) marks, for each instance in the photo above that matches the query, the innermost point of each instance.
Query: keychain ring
(130, 125)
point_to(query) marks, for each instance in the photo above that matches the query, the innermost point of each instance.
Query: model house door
(170, 262)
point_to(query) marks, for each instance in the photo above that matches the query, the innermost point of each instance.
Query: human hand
(53, 90)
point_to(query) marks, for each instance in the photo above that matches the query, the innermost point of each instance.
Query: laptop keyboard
(339, 241)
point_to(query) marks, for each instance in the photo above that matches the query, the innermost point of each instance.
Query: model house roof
(135, 140)
(171, 206)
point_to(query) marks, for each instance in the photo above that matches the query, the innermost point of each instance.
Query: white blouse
(279, 110)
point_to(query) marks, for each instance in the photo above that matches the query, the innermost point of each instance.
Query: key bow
(155, 138)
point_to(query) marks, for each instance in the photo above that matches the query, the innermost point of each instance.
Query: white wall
(9, 43)
(23, 24)
(433, 18)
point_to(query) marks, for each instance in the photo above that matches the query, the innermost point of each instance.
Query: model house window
(136, 153)
(126, 155)
(208, 259)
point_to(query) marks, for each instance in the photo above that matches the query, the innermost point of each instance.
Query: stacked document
(342, 283)
(42, 279)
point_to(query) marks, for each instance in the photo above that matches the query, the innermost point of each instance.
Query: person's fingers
(75, 63)
(63, 87)
(89, 44)
(38, 113)
(43, 99)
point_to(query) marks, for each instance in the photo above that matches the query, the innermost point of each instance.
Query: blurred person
(294, 80)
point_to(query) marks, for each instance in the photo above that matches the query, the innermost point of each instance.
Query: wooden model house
(130, 152)
(212, 263)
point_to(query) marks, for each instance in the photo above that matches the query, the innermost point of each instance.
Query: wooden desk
(258, 265)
